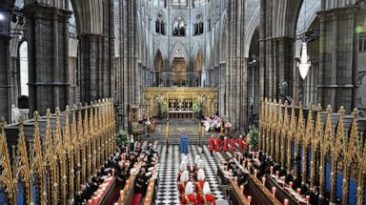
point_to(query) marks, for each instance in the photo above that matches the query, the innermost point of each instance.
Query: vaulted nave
(169, 102)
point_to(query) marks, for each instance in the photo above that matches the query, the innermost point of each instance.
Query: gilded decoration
(326, 138)
(181, 99)
(69, 153)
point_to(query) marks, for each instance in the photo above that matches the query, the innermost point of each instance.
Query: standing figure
(232, 144)
(224, 147)
(211, 144)
(218, 144)
(132, 143)
(240, 142)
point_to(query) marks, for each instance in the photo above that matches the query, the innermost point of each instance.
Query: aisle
(167, 183)
(169, 167)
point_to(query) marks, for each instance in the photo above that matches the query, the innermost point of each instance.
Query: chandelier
(304, 64)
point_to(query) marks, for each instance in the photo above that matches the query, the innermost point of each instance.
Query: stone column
(49, 84)
(129, 56)
(90, 69)
(221, 86)
(337, 34)
(6, 87)
(236, 68)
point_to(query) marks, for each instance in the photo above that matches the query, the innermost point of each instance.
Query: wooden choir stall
(47, 160)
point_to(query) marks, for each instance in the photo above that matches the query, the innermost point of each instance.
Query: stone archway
(158, 68)
(253, 79)
(179, 72)
(198, 67)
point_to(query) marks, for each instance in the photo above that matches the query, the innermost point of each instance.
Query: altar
(180, 102)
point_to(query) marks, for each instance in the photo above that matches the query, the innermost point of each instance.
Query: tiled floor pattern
(170, 159)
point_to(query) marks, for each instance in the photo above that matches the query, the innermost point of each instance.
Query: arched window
(23, 62)
(198, 26)
(160, 25)
(159, 3)
(179, 27)
(180, 4)
(198, 3)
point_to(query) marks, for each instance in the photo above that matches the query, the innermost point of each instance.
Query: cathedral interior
(182, 102)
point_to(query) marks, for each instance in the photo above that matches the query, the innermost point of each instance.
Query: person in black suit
(141, 182)
(243, 179)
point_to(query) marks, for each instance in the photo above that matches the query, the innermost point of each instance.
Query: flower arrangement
(253, 137)
(122, 138)
(197, 109)
(163, 109)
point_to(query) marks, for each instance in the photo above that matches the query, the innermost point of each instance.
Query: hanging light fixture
(2, 16)
(304, 64)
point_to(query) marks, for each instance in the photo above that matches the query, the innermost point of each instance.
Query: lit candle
(298, 190)
(264, 180)
(271, 169)
(277, 174)
(249, 199)
(286, 202)
(242, 189)
(307, 199)
(290, 184)
(274, 192)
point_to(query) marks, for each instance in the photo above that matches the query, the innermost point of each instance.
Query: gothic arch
(179, 47)
(292, 13)
(311, 15)
(158, 62)
(161, 46)
(196, 48)
(89, 16)
(251, 28)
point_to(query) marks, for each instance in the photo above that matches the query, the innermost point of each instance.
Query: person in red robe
(240, 142)
(232, 142)
(224, 147)
(183, 181)
(183, 167)
(189, 197)
(205, 196)
(211, 144)
(245, 142)
(218, 144)
(200, 180)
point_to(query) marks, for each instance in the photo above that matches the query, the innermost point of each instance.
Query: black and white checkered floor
(169, 166)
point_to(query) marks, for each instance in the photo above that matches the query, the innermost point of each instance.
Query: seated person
(232, 164)
(184, 178)
(243, 179)
(182, 168)
(205, 196)
(141, 182)
(200, 180)
(189, 196)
